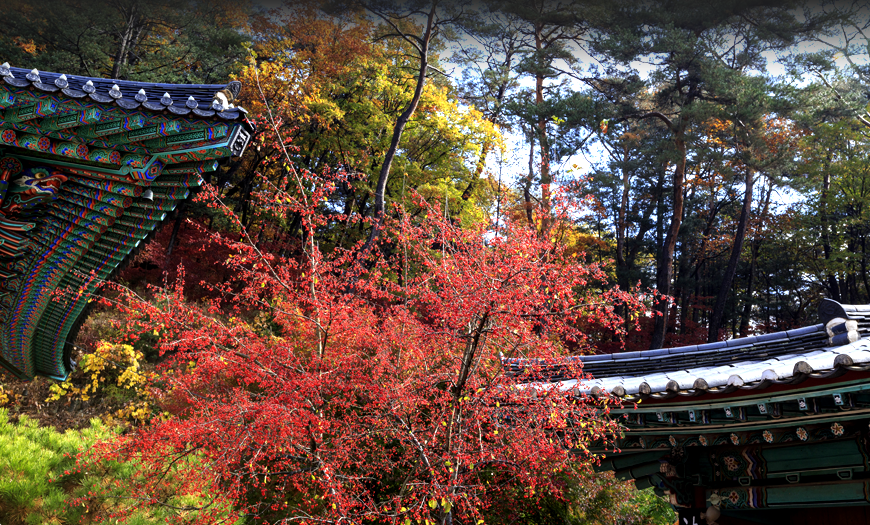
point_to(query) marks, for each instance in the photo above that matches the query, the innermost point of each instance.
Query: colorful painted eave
(89, 168)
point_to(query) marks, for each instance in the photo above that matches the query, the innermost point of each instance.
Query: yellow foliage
(115, 367)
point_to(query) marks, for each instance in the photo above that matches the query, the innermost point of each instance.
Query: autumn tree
(385, 400)
(418, 24)
(336, 85)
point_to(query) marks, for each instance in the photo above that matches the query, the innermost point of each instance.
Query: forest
(316, 335)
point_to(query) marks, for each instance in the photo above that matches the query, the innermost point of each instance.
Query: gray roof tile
(744, 362)
(103, 90)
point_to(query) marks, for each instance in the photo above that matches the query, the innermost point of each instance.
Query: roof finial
(225, 97)
(115, 92)
(33, 76)
(191, 102)
(89, 87)
(166, 100)
(61, 81)
(141, 96)
(5, 70)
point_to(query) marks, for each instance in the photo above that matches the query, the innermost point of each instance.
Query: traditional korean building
(764, 429)
(89, 168)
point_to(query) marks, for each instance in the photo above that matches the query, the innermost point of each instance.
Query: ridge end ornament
(227, 96)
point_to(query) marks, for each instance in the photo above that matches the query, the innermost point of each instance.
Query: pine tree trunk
(864, 267)
(542, 137)
(527, 187)
(665, 270)
(126, 40)
(750, 284)
(833, 285)
(731, 270)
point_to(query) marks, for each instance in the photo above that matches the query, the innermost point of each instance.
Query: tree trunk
(852, 286)
(620, 221)
(399, 128)
(173, 237)
(478, 171)
(621, 266)
(864, 266)
(753, 265)
(545, 148)
(126, 40)
(684, 292)
(750, 284)
(665, 270)
(696, 312)
(833, 285)
(731, 270)
(527, 187)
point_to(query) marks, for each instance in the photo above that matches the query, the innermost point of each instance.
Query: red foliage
(373, 391)
(194, 250)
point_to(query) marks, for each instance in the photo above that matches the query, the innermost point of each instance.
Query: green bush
(41, 484)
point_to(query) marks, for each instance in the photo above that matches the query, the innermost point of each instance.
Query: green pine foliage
(40, 483)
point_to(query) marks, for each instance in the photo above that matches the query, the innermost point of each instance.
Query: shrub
(5, 396)
(113, 373)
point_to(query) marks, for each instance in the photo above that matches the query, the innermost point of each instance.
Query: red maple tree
(362, 387)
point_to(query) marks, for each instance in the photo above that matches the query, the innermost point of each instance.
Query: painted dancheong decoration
(734, 429)
(89, 168)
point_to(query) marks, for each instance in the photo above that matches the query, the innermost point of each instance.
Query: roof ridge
(200, 100)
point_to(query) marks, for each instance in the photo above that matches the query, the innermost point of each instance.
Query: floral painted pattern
(802, 433)
(703, 440)
(768, 437)
(837, 429)
(734, 497)
(672, 440)
(735, 439)
(731, 463)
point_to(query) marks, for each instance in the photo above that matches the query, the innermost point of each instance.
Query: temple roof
(89, 168)
(745, 363)
(773, 421)
(183, 99)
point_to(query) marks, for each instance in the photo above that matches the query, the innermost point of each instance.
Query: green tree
(145, 40)
(836, 220)
(552, 37)
(703, 57)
